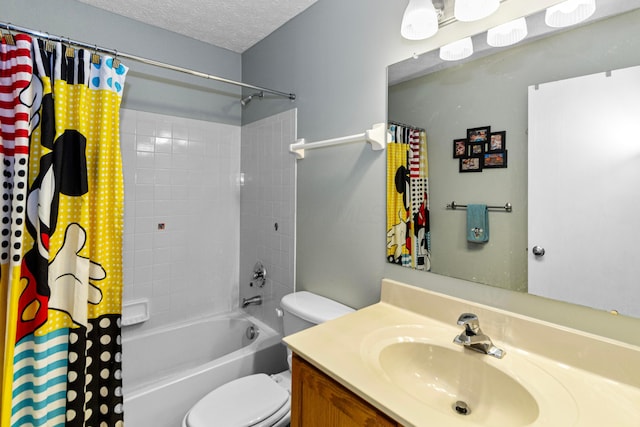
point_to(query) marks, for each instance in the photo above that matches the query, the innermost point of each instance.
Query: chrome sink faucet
(473, 338)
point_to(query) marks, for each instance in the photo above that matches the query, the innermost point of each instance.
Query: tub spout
(257, 300)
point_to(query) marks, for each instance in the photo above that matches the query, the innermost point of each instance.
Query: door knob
(538, 251)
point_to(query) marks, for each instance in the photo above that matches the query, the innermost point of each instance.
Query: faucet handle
(259, 275)
(259, 272)
(470, 322)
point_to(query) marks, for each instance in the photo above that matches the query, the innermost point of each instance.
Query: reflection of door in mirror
(583, 194)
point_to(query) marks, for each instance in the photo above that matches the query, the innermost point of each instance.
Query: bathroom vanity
(317, 401)
(396, 363)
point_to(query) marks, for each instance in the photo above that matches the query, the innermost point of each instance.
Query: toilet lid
(243, 402)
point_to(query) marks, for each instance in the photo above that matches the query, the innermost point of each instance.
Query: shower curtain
(408, 232)
(61, 235)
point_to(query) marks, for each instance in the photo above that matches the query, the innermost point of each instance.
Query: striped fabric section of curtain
(17, 96)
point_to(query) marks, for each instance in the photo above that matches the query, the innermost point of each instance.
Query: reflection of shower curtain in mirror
(408, 235)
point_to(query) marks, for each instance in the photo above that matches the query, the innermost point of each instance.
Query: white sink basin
(422, 362)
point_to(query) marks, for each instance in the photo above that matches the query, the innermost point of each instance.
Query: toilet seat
(251, 401)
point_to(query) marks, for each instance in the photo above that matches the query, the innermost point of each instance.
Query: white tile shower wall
(182, 215)
(267, 211)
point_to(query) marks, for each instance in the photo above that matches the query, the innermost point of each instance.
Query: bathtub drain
(251, 332)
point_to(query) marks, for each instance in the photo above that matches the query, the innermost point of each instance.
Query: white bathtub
(166, 371)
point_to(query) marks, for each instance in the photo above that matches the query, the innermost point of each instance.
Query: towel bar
(376, 136)
(507, 206)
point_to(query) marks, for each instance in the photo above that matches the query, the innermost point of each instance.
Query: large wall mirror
(491, 88)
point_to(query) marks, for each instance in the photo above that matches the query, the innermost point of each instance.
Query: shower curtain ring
(8, 37)
(95, 58)
(70, 50)
(116, 61)
(49, 46)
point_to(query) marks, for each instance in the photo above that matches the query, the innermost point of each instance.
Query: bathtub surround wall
(182, 215)
(267, 211)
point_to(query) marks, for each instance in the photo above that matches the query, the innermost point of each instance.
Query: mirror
(491, 89)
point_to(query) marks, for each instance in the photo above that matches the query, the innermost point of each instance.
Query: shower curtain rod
(117, 54)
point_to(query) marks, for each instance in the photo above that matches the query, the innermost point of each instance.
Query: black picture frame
(471, 164)
(494, 160)
(479, 134)
(459, 148)
(475, 149)
(497, 142)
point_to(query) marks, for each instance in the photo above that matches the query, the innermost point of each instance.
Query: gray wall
(334, 57)
(147, 88)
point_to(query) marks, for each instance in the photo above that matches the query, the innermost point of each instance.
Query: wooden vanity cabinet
(319, 401)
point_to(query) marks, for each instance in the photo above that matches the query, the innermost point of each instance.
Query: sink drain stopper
(461, 408)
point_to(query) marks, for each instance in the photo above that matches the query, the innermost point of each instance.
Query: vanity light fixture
(457, 50)
(508, 33)
(569, 13)
(420, 20)
(473, 10)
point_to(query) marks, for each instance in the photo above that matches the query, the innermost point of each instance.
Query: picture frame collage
(481, 149)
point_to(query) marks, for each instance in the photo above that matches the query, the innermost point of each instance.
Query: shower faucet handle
(259, 271)
(259, 275)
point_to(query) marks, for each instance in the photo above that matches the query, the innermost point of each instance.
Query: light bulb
(569, 13)
(457, 50)
(473, 10)
(420, 20)
(507, 34)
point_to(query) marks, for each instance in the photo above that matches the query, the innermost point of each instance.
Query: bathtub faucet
(257, 300)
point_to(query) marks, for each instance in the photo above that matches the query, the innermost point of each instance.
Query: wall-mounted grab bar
(507, 206)
(377, 137)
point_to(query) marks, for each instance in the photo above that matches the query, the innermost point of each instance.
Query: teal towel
(477, 223)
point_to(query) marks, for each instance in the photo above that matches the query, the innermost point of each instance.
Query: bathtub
(166, 371)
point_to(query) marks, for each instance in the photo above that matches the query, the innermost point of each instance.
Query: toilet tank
(305, 309)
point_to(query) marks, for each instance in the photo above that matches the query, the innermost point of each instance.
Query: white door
(584, 190)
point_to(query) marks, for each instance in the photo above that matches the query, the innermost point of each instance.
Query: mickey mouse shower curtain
(61, 234)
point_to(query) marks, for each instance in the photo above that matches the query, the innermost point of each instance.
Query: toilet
(262, 400)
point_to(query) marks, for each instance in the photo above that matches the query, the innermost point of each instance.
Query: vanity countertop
(599, 378)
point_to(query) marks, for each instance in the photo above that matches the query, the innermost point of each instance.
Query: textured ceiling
(232, 24)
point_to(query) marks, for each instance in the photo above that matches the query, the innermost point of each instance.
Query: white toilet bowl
(258, 400)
